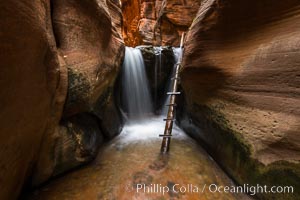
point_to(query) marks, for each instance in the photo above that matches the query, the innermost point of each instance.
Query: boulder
(77, 143)
(241, 83)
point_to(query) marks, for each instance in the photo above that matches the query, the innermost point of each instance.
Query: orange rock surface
(157, 22)
(241, 80)
(68, 51)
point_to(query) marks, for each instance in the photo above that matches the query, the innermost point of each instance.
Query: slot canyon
(91, 90)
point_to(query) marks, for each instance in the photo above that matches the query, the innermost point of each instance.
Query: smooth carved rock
(57, 65)
(78, 142)
(131, 17)
(157, 22)
(175, 13)
(33, 89)
(91, 48)
(146, 31)
(241, 80)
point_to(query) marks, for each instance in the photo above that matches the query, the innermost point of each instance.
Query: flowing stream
(135, 94)
(130, 167)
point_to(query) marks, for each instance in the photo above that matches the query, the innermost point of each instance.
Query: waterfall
(177, 51)
(157, 68)
(136, 95)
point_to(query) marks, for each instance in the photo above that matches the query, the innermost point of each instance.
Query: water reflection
(131, 167)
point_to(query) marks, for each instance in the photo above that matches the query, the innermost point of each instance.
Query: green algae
(233, 153)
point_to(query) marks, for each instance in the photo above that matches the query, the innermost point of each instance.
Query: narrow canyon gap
(131, 165)
(83, 88)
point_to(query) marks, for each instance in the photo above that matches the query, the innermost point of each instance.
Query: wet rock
(160, 163)
(141, 178)
(185, 161)
(109, 116)
(78, 143)
(90, 46)
(159, 62)
(157, 22)
(173, 193)
(240, 75)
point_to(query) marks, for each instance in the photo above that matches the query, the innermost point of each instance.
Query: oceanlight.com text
(212, 188)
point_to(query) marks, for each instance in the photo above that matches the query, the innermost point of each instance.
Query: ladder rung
(172, 104)
(169, 120)
(168, 136)
(173, 93)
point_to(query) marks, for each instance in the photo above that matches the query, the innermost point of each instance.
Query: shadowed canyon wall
(241, 79)
(59, 61)
(159, 22)
(33, 88)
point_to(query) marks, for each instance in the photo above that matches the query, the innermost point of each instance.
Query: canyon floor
(133, 159)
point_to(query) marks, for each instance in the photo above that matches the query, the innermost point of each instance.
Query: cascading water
(157, 68)
(135, 95)
(177, 51)
(133, 158)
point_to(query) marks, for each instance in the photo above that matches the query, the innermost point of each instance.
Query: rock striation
(90, 47)
(241, 79)
(33, 88)
(59, 62)
(159, 22)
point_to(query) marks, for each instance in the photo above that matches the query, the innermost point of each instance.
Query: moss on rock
(234, 154)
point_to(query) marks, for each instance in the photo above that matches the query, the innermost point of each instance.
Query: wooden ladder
(172, 106)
